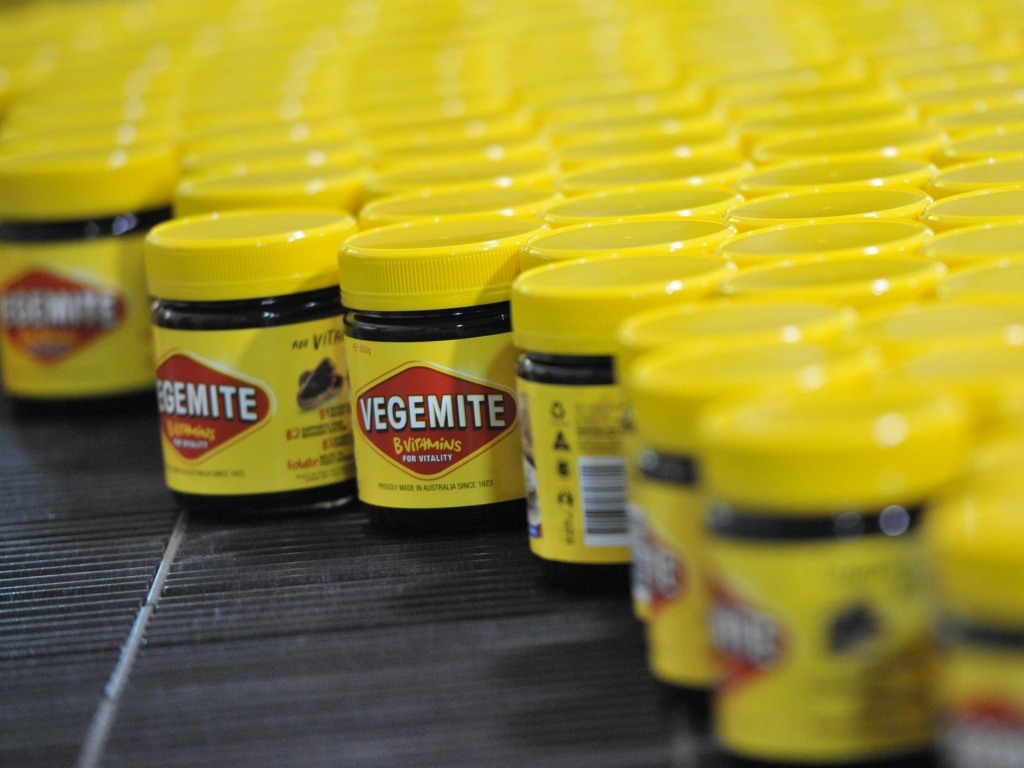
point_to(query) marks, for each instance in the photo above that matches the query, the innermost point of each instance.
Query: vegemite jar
(73, 304)
(250, 360)
(669, 389)
(429, 346)
(564, 319)
(711, 326)
(819, 614)
(975, 543)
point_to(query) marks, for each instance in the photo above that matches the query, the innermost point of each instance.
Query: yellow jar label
(636, 521)
(75, 318)
(639, 575)
(258, 410)
(823, 648)
(575, 472)
(436, 422)
(675, 589)
(982, 699)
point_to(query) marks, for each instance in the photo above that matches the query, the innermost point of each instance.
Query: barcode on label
(603, 500)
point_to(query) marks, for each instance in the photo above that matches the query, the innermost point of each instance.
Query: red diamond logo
(204, 408)
(429, 420)
(747, 642)
(50, 317)
(993, 711)
(668, 578)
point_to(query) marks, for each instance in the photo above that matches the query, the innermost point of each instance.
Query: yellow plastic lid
(245, 255)
(945, 101)
(428, 112)
(973, 246)
(343, 154)
(998, 282)
(629, 238)
(566, 135)
(819, 175)
(764, 107)
(826, 239)
(986, 68)
(724, 323)
(500, 126)
(621, 105)
(666, 173)
(338, 189)
(560, 96)
(516, 202)
(904, 143)
(807, 124)
(916, 327)
(835, 451)
(1000, 452)
(106, 136)
(972, 177)
(7, 91)
(433, 265)
(707, 143)
(1009, 146)
(524, 148)
(757, 81)
(642, 204)
(274, 134)
(929, 62)
(79, 183)
(88, 116)
(982, 374)
(669, 388)
(973, 124)
(828, 206)
(974, 542)
(987, 206)
(858, 282)
(225, 116)
(492, 173)
(576, 307)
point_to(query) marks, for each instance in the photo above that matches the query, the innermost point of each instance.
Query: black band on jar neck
(571, 370)
(248, 313)
(894, 521)
(429, 325)
(960, 632)
(82, 229)
(667, 468)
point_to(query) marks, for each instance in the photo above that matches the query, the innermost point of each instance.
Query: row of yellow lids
(654, 218)
(541, 42)
(970, 98)
(58, 182)
(734, 78)
(289, 61)
(655, 125)
(472, 261)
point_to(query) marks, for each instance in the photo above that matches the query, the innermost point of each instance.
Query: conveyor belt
(301, 641)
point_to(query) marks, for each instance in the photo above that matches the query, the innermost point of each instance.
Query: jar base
(322, 498)
(135, 401)
(586, 577)
(479, 518)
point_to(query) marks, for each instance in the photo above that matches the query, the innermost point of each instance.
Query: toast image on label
(853, 628)
(319, 385)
